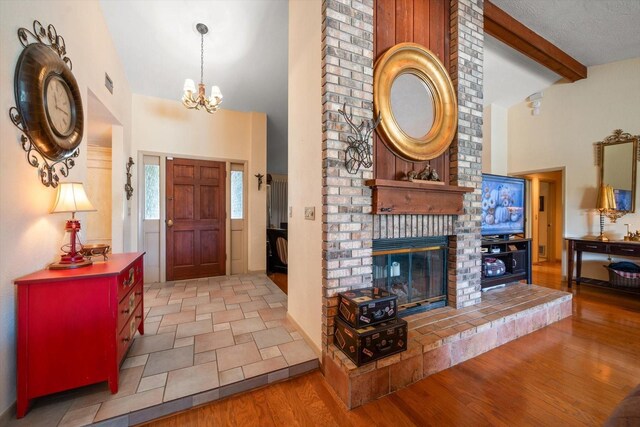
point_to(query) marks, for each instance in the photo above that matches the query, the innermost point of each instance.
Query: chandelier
(199, 100)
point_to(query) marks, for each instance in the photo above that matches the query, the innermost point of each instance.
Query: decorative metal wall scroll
(48, 108)
(127, 187)
(358, 153)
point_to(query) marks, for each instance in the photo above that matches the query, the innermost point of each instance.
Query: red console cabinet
(75, 326)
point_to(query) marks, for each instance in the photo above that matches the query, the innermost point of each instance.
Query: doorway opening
(100, 227)
(546, 214)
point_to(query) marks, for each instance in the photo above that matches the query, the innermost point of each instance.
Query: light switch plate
(310, 213)
(290, 212)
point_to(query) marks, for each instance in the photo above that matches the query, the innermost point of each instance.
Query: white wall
(494, 140)
(573, 117)
(305, 166)
(29, 236)
(166, 126)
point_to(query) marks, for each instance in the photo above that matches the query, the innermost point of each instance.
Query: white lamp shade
(189, 85)
(215, 92)
(71, 197)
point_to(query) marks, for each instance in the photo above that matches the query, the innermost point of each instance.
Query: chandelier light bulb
(215, 92)
(189, 85)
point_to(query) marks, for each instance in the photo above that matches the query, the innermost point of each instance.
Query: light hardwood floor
(572, 373)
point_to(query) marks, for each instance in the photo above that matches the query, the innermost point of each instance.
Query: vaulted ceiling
(245, 53)
(593, 32)
(247, 48)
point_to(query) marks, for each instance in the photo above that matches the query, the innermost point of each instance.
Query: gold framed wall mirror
(618, 158)
(416, 102)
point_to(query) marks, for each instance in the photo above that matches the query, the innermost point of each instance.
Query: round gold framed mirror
(416, 102)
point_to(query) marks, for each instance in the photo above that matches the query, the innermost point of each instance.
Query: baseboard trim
(8, 414)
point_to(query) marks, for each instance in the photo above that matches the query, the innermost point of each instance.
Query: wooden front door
(195, 219)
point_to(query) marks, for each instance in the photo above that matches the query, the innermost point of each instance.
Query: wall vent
(108, 83)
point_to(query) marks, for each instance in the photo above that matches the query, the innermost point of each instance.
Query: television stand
(516, 255)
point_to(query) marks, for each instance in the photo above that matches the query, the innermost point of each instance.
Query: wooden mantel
(404, 197)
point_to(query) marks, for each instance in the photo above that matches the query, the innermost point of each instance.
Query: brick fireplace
(355, 32)
(349, 228)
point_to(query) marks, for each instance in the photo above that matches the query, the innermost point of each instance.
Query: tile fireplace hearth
(444, 337)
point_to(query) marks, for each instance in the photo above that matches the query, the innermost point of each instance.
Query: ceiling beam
(513, 33)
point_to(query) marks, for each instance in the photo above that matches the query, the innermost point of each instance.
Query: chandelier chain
(201, 58)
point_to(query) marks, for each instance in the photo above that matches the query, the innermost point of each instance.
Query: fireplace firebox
(413, 269)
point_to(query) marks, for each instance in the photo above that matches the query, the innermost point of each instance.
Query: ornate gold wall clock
(48, 107)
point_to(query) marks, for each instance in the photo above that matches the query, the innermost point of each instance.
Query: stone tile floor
(204, 339)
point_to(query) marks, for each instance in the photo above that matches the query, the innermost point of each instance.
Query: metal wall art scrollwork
(128, 188)
(358, 154)
(48, 108)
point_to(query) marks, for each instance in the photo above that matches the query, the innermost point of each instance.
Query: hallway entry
(546, 214)
(196, 217)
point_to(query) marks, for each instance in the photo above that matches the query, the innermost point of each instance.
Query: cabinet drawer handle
(627, 250)
(514, 263)
(139, 293)
(386, 209)
(126, 339)
(125, 311)
(592, 247)
(138, 317)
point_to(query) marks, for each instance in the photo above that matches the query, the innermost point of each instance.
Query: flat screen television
(503, 205)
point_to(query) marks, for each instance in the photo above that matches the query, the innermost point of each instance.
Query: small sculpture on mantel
(426, 174)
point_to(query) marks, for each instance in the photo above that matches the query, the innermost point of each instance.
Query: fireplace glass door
(416, 275)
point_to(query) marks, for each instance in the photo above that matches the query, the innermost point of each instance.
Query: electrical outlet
(310, 213)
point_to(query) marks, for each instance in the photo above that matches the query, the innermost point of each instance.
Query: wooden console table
(575, 248)
(75, 326)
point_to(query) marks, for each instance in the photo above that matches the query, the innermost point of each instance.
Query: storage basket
(623, 278)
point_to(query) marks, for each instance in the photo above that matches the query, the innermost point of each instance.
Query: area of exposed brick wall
(467, 46)
(348, 225)
(347, 78)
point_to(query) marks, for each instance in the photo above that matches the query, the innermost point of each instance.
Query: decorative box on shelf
(75, 326)
(371, 343)
(364, 307)
(367, 327)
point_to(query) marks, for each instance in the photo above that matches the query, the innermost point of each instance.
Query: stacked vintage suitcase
(367, 327)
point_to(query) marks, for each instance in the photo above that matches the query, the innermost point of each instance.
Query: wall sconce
(127, 187)
(259, 176)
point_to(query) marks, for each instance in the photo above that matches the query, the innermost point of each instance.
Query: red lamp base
(72, 259)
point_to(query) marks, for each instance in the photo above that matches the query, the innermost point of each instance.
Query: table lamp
(72, 198)
(606, 205)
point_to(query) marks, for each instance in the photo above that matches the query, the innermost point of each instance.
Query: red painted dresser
(75, 326)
